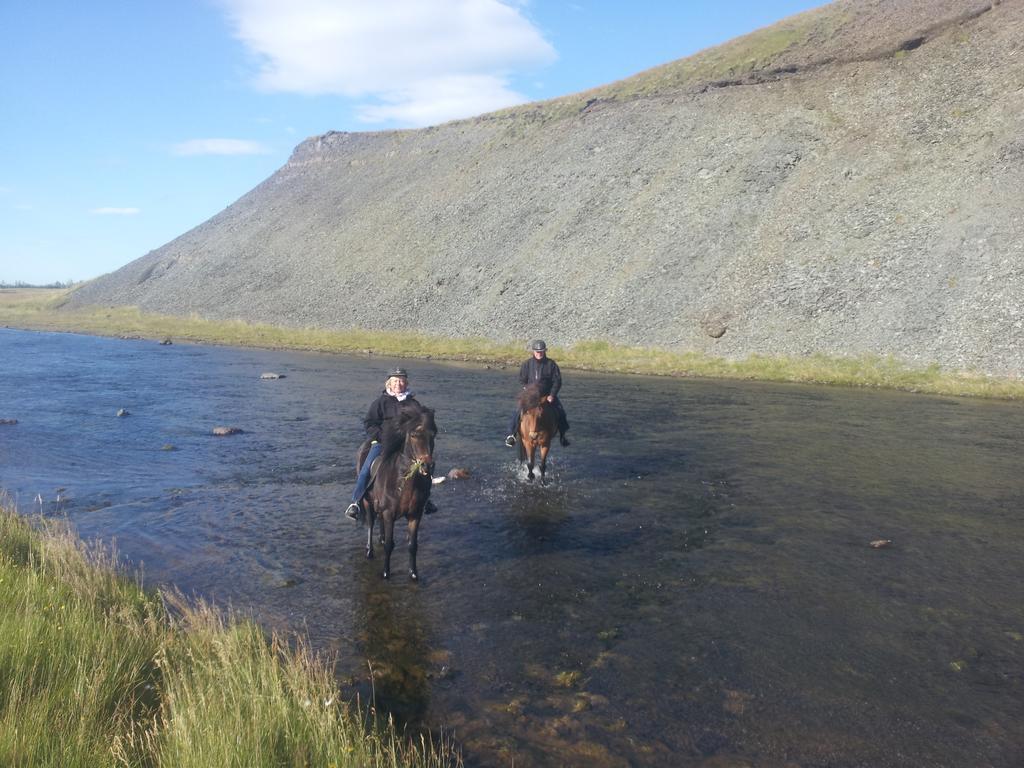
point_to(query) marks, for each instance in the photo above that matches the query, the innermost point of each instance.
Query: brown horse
(538, 424)
(402, 482)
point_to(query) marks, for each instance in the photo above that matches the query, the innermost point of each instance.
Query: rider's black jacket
(544, 372)
(383, 408)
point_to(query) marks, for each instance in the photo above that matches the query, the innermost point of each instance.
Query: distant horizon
(54, 284)
(128, 130)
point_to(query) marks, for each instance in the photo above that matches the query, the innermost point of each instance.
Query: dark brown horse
(402, 481)
(537, 426)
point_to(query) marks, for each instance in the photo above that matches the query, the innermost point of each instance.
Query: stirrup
(354, 512)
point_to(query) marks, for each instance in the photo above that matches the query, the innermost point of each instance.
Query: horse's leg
(380, 537)
(531, 459)
(544, 448)
(370, 518)
(387, 521)
(414, 531)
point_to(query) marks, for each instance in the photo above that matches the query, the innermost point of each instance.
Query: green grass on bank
(36, 309)
(94, 672)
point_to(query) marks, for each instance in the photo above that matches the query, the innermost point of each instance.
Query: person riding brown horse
(545, 373)
(537, 427)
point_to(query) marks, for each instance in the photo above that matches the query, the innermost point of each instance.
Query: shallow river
(695, 586)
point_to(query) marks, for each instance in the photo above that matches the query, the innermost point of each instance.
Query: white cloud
(428, 102)
(220, 147)
(116, 211)
(412, 61)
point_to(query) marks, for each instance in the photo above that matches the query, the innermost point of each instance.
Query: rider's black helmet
(538, 345)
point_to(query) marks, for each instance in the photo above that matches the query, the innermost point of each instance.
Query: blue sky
(127, 123)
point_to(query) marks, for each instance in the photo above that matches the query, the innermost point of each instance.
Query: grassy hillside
(760, 51)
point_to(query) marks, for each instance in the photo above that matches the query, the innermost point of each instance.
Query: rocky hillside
(848, 181)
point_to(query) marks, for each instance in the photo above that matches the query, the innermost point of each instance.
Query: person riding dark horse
(403, 481)
(382, 410)
(541, 370)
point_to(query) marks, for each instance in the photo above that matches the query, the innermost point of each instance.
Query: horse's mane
(529, 397)
(392, 437)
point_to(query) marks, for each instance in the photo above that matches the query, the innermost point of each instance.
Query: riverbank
(98, 672)
(38, 309)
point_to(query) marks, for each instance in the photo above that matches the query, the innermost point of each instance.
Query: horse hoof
(414, 576)
(385, 575)
(369, 554)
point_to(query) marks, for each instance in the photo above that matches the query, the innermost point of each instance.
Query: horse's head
(529, 397)
(419, 428)
(536, 415)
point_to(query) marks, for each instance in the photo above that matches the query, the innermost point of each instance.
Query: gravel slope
(849, 181)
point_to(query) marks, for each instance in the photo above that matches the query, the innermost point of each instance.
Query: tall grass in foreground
(95, 672)
(37, 309)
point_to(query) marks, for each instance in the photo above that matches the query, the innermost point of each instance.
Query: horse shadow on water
(393, 632)
(402, 480)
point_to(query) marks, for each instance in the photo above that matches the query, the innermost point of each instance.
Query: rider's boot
(510, 441)
(563, 425)
(354, 512)
(429, 508)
